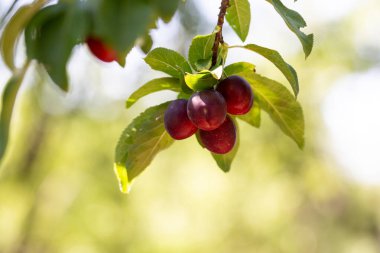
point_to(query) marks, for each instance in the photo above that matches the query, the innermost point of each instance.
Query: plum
(102, 51)
(207, 109)
(238, 94)
(176, 121)
(220, 140)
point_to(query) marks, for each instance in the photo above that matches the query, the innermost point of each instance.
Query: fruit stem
(218, 36)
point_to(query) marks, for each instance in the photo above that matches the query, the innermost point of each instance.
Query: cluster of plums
(207, 112)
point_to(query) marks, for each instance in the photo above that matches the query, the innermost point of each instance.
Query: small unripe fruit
(238, 94)
(220, 140)
(176, 121)
(102, 51)
(207, 109)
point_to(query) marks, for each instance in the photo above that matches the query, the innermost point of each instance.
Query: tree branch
(218, 36)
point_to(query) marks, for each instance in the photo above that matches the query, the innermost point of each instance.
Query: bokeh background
(58, 192)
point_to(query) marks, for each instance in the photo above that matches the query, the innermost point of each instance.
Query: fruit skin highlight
(176, 121)
(102, 51)
(207, 109)
(220, 140)
(238, 94)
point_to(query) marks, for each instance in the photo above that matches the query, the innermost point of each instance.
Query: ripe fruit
(102, 51)
(238, 94)
(177, 123)
(220, 140)
(207, 109)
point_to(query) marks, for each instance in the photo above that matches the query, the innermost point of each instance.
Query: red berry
(102, 51)
(220, 140)
(207, 109)
(238, 94)
(177, 123)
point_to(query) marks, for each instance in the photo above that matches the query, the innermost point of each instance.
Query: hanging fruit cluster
(209, 105)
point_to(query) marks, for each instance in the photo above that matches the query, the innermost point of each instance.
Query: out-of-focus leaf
(273, 56)
(52, 34)
(147, 43)
(201, 81)
(279, 103)
(200, 51)
(119, 23)
(165, 83)
(13, 30)
(7, 104)
(239, 17)
(166, 9)
(168, 61)
(295, 22)
(139, 144)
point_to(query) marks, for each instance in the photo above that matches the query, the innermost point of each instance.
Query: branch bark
(219, 36)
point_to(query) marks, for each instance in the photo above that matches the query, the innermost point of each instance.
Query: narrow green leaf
(295, 22)
(165, 83)
(52, 34)
(139, 144)
(8, 101)
(13, 30)
(168, 61)
(238, 67)
(253, 117)
(281, 106)
(201, 81)
(200, 51)
(239, 17)
(273, 56)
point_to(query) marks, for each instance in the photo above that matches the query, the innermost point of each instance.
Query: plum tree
(238, 94)
(207, 109)
(176, 121)
(110, 29)
(220, 140)
(102, 51)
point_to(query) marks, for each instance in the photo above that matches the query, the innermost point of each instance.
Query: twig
(218, 36)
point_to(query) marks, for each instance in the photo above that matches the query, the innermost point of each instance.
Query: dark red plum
(102, 51)
(177, 123)
(220, 140)
(207, 109)
(238, 94)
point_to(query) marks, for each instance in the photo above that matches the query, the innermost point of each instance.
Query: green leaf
(201, 81)
(147, 43)
(52, 34)
(239, 17)
(238, 67)
(166, 9)
(119, 23)
(8, 101)
(273, 56)
(253, 117)
(279, 103)
(139, 144)
(295, 22)
(168, 61)
(13, 30)
(200, 51)
(165, 83)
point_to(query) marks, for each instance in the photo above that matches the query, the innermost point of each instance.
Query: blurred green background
(58, 192)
